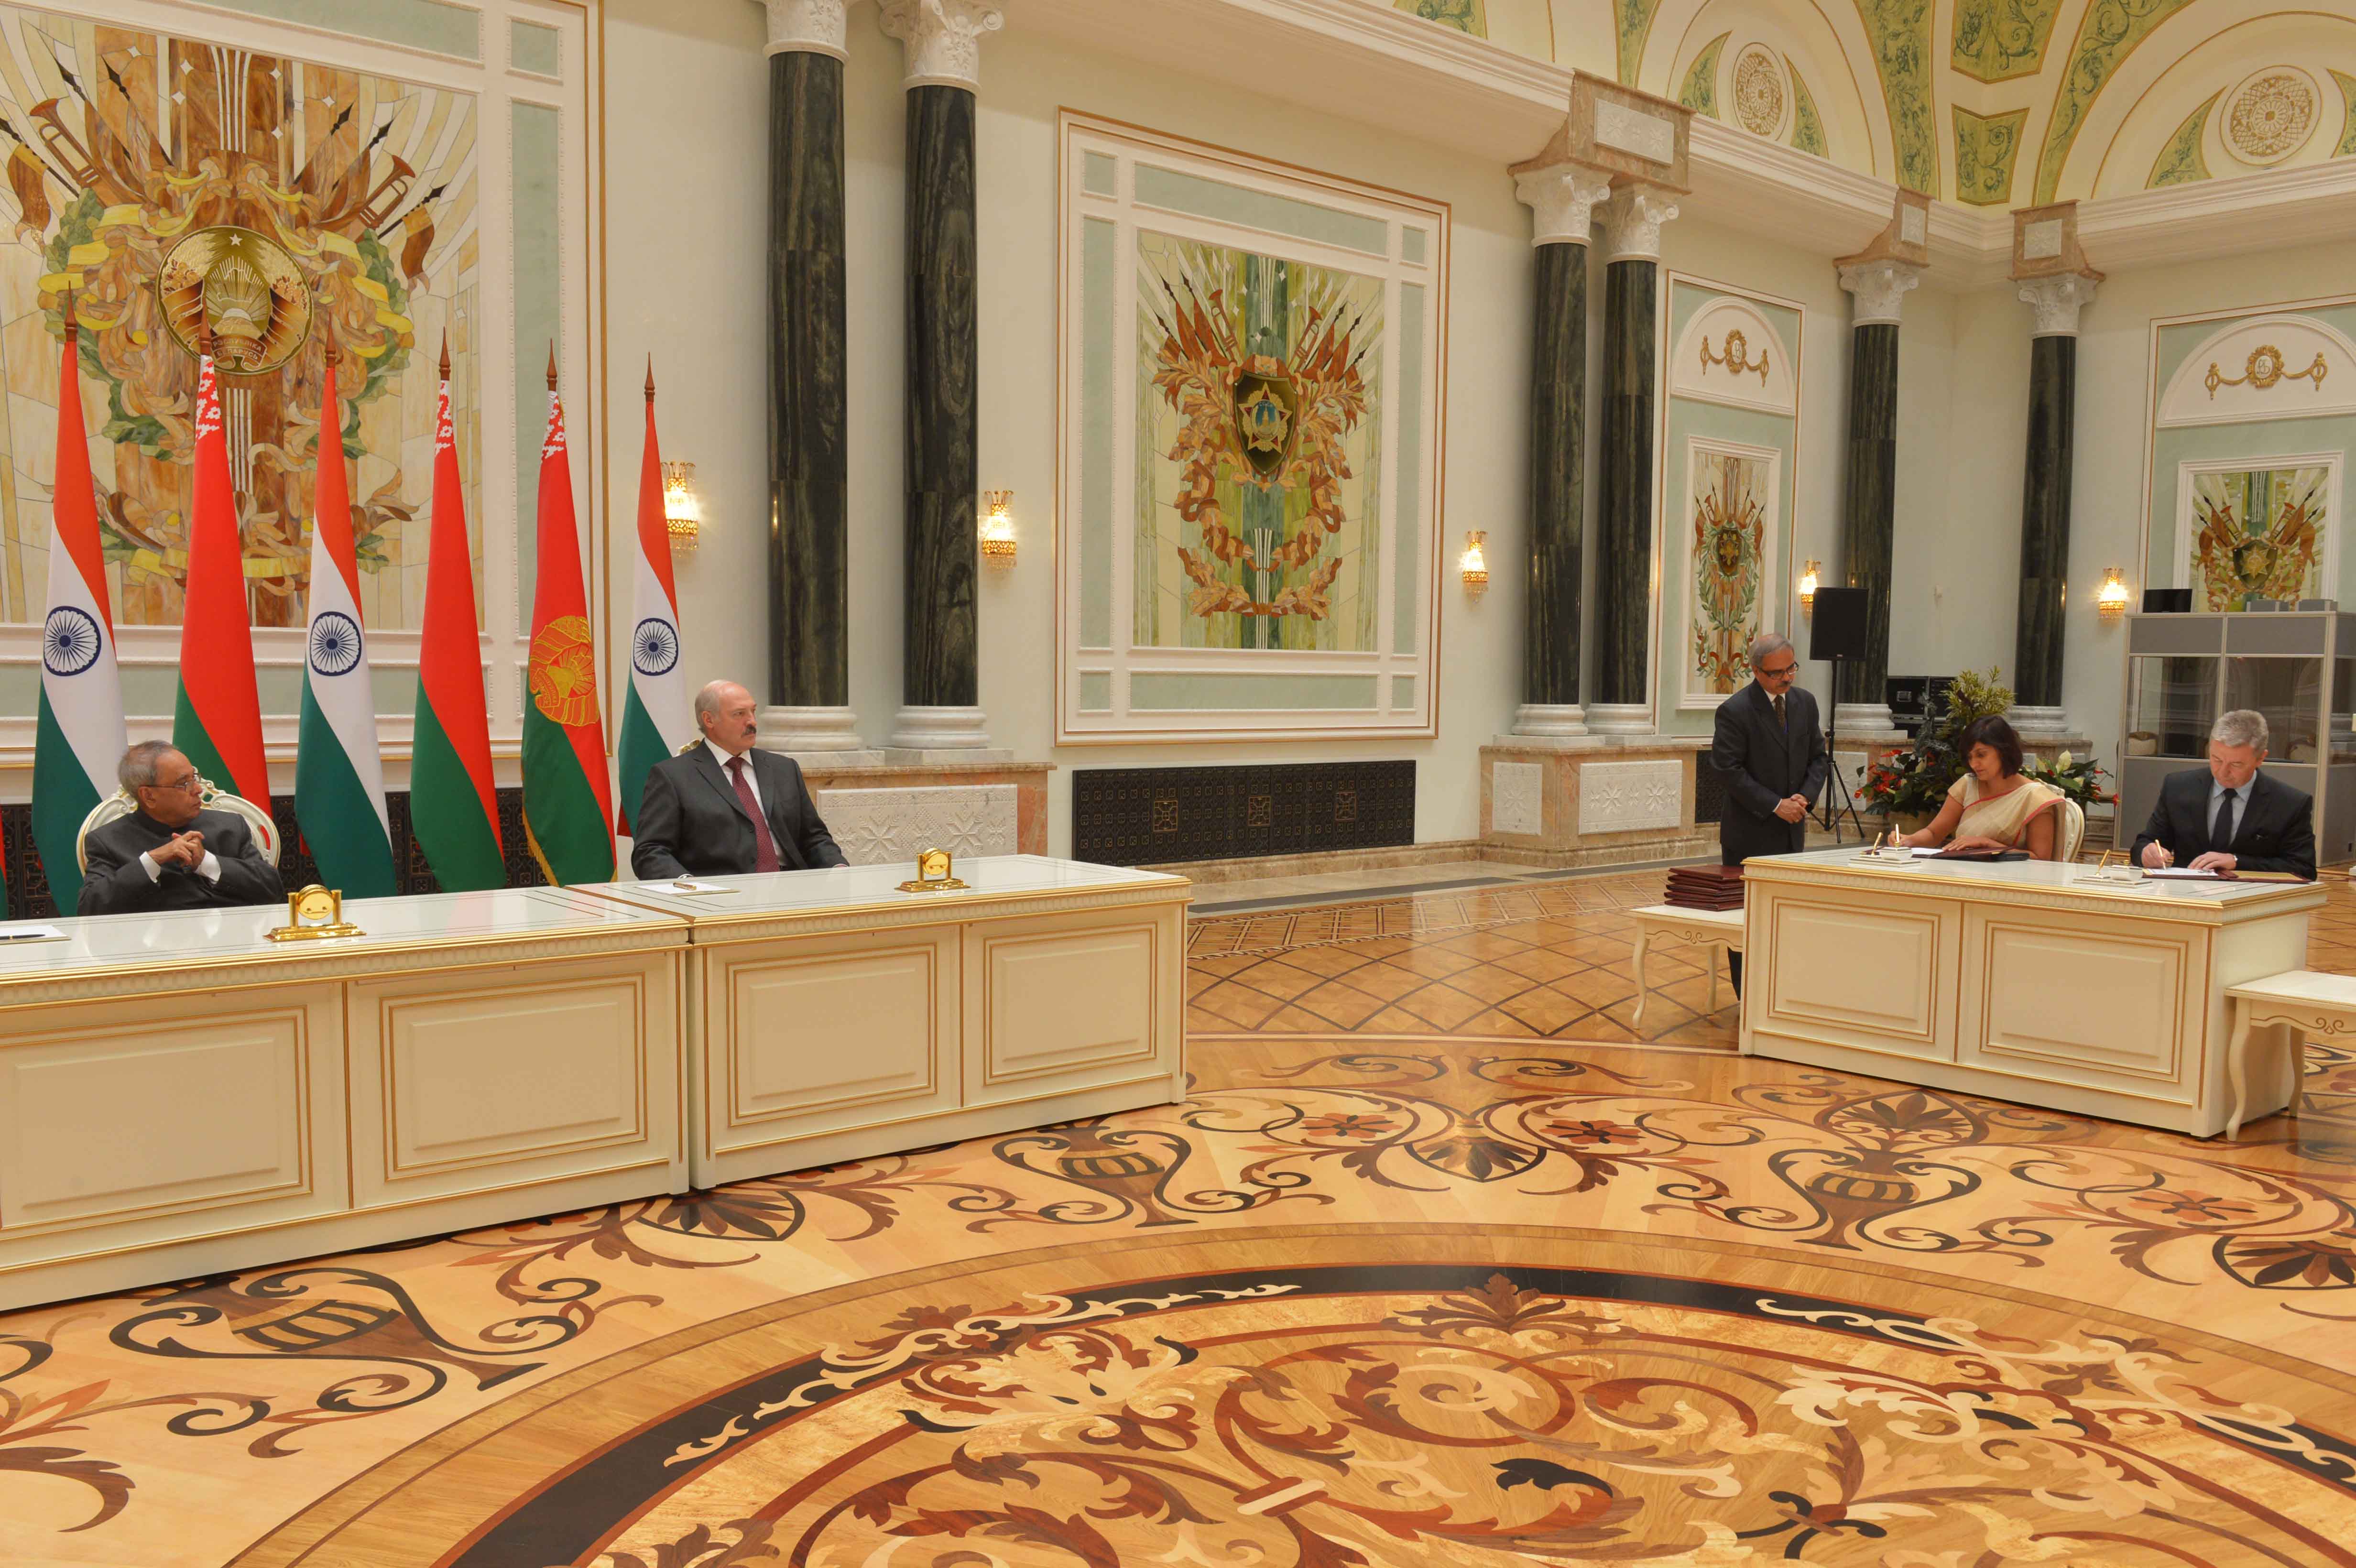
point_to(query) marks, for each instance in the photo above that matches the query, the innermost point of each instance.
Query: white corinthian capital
(2056, 301)
(1881, 289)
(1632, 224)
(1562, 200)
(808, 26)
(942, 40)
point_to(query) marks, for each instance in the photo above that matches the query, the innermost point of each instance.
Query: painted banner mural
(2258, 533)
(1260, 445)
(1732, 496)
(181, 190)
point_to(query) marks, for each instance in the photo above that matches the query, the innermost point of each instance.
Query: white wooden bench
(1685, 927)
(2302, 1002)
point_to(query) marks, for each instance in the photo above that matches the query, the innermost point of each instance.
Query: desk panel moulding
(865, 1046)
(555, 1070)
(2108, 1011)
(1064, 1004)
(155, 1114)
(1869, 978)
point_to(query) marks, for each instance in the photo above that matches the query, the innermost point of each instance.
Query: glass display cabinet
(2298, 667)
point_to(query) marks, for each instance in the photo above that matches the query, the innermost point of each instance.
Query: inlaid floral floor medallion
(1370, 1298)
(1431, 1394)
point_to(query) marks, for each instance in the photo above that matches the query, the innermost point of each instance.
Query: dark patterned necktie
(764, 847)
(1778, 701)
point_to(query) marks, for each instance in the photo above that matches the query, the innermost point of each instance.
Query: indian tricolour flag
(655, 721)
(79, 740)
(338, 773)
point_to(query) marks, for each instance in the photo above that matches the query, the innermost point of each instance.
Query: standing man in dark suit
(2230, 816)
(171, 853)
(725, 806)
(1769, 750)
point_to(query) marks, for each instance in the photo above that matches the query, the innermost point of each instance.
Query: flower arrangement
(2080, 780)
(1912, 782)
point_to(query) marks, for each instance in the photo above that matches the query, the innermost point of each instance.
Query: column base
(924, 737)
(1552, 719)
(2040, 723)
(1620, 718)
(831, 734)
(1862, 719)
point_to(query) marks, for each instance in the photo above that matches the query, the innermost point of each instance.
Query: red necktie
(764, 847)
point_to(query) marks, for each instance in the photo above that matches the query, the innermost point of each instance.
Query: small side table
(1688, 927)
(2304, 1001)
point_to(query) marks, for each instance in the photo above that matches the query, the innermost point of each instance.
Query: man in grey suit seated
(724, 805)
(170, 853)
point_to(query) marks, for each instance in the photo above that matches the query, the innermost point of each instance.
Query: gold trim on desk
(2273, 894)
(895, 913)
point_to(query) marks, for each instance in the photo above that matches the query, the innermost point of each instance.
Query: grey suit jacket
(690, 822)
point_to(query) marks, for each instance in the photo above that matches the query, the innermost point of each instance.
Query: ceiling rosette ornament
(1761, 96)
(2273, 114)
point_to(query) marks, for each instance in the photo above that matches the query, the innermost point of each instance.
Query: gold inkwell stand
(933, 875)
(313, 913)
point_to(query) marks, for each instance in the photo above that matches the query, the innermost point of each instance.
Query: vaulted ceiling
(1992, 103)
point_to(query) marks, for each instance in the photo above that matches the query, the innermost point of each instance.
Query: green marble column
(809, 462)
(1557, 476)
(1871, 501)
(2037, 642)
(1624, 517)
(942, 390)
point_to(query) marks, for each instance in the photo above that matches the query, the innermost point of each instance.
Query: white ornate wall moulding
(808, 26)
(882, 827)
(1562, 199)
(1628, 797)
(1517, 797)
(942, 38)
(1632, 224)
(1880, 289)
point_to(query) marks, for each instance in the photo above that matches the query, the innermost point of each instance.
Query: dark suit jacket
(1760, 764)
(690, 822)
(2276, 832)
(116, 883)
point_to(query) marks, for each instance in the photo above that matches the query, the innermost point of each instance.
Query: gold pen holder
(314, 913)
(933, 874)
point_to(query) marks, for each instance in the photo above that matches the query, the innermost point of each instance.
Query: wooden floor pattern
(1436, 1265)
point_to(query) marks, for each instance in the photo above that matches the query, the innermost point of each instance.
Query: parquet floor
(1437, 1265)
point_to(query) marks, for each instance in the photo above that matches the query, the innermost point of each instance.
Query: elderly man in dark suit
(171, 853)
(724, 805)
(1769, 751)
(2230, 816)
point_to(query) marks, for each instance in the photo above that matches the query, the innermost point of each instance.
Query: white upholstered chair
(120, 805)
(2073, 829)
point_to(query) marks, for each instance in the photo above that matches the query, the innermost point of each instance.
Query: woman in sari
(1993, 806)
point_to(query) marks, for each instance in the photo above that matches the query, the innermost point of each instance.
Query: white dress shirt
(751, 780)
(208, 868)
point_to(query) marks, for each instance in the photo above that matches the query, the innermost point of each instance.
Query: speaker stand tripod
(1837, 795)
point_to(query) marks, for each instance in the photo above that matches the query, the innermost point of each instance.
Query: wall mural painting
(177, 187)
(1260, 420)
(1733, 498)
(2258, 533)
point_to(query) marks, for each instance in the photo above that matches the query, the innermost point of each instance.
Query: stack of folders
(1706, 887)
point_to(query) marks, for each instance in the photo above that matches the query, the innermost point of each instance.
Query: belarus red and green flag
(338, 774)
(568, 803)
(655, 719)
(452, 809)
(216, 721)
(79, 738)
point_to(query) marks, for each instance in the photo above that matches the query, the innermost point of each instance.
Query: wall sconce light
(682, 513)
(2111, 600)
(997, 529)
(1808, 588)
(1474, 562)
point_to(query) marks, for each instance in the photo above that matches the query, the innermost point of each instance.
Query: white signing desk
(179, 1097)
(831, 1016)
(2019, 981)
